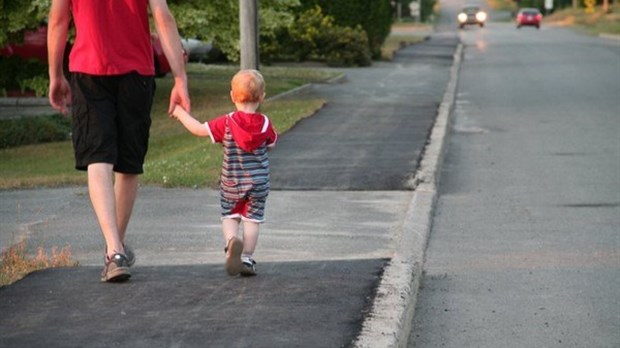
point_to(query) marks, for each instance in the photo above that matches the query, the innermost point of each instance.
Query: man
(110, 94)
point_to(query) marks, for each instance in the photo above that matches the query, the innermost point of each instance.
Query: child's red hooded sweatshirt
(250, 130)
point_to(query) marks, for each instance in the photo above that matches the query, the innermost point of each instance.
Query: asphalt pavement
(339, 257)
(525, 244)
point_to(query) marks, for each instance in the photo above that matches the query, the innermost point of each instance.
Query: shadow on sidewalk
(297, 304)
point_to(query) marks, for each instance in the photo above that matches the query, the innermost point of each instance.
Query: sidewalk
(336, 268)
(24, 107)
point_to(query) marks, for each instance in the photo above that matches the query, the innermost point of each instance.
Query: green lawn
(175, 157)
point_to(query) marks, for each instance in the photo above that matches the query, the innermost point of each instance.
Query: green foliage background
(218, 21)
(19, 15)
(341, 43)
(374, 16)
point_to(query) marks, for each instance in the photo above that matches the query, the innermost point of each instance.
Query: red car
(35, 46)
(530, 17)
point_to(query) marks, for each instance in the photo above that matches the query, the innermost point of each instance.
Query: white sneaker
(249, 266)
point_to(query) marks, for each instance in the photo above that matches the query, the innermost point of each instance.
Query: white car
(471, 15)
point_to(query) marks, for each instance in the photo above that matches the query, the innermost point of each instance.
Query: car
(471, 15)
(197, 50)
(529, 17)
(34, 46)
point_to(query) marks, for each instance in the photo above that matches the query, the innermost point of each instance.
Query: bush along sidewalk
(34, 130)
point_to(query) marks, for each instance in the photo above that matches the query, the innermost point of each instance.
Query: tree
(218, 21)
(248, 17)
(18, 16)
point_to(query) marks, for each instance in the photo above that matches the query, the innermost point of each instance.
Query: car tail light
(538, 17)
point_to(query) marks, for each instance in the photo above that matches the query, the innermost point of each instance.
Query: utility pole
(248, 28)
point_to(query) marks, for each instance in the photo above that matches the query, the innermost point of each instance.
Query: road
(524, 250)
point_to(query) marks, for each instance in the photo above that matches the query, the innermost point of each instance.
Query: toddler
(246, 135)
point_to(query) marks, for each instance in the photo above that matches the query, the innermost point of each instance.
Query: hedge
(374, 16)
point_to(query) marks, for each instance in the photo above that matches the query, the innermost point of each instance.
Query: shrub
(310, 33)
(315, 36)
(16, 16)
(374, 16)
(17, 74)
(347, 47)
(427, 9)
(38, 84)
(33, 130)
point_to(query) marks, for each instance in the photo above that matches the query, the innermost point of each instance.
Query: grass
(175, 157)
(16, 264)
(594, 23)
(502, 5)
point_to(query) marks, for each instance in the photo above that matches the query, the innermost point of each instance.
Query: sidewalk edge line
(389, 323)
(303, 88)
(294, 91)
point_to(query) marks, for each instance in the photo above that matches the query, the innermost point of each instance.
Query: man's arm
(171, 43)
(57, 27)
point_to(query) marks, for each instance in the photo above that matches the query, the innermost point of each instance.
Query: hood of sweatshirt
(250, 130)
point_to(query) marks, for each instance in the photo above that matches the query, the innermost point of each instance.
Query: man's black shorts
(111, 120)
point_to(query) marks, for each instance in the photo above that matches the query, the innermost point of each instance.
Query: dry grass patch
(594, 23)
(15, 263)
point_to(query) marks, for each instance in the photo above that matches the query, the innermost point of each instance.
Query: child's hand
(177, 112)
(194, 126)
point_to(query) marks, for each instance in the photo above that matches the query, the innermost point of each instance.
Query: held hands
(178, 112)
(179, 96)
(189, 122)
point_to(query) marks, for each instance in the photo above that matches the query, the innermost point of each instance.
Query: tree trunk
(248, 27)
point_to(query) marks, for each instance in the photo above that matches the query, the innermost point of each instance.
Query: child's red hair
(247, 86)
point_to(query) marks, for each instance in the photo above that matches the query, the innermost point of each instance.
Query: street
(524, 249)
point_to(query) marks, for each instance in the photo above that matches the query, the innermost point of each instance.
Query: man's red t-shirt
(112, 38)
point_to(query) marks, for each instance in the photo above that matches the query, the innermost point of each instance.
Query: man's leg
(102, 197)
(126, 190)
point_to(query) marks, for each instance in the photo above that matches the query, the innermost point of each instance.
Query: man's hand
(179, 96)
(60, 95)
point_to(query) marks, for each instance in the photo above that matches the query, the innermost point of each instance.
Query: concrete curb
(389, 323)
(27, 101)
(304, 88)
(615, 37)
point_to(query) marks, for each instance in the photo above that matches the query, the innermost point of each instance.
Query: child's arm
(192, 125)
